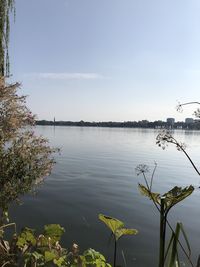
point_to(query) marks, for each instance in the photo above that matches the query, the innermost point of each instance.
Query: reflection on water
(95, 173)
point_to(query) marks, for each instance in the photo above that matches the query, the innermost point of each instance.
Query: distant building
(145, 121)
(170, 121)
(189, 120)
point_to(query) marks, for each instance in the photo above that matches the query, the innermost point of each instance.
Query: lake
(95, 173)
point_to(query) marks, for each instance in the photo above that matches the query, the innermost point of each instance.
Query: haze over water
(95, 173)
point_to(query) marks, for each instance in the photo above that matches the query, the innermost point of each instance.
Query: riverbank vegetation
(30, 249)
(195, 125)
(25, 160)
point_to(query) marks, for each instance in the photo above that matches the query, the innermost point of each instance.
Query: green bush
(28, 249)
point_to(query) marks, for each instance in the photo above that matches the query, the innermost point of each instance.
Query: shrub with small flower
(25, 159)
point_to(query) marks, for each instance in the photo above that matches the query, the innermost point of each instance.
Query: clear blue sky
(102, 60)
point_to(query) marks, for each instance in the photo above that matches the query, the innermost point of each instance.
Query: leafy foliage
(176, 194)
(54, 231)
(93, 258)
(146, 192)
(164, 203)
(116, 226)
(25, 159)
(111, 222)
(26, 238)
(171, 198)
(29, 250)
(118, 230)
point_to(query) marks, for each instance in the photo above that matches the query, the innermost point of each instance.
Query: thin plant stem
(148, 187)
(152, 176)
(189, 103)
(175, 142)
(8, 225)
(162, 234)
(124, 259)
(115, 253)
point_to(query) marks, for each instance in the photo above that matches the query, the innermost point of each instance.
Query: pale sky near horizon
(103, 60)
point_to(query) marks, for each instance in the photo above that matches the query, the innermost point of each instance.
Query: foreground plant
(163, 203)
(29, 249)
(118, 230)
(165, 137)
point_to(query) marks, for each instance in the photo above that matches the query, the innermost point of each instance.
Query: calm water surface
(95, 173)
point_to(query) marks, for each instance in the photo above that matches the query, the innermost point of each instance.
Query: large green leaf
(49, 256)
(111, 222)
(125, 231)
(54, 231)
(146, 192)
(116, 226)
(171, 198)
(91, 257)
(176, 195)
(26, 237)
(60, 262)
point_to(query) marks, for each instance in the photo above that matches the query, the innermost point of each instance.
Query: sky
(107, 60)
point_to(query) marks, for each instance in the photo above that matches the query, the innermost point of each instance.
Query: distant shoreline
(129, 124)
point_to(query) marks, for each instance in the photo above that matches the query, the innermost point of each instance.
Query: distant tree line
(127, 124)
